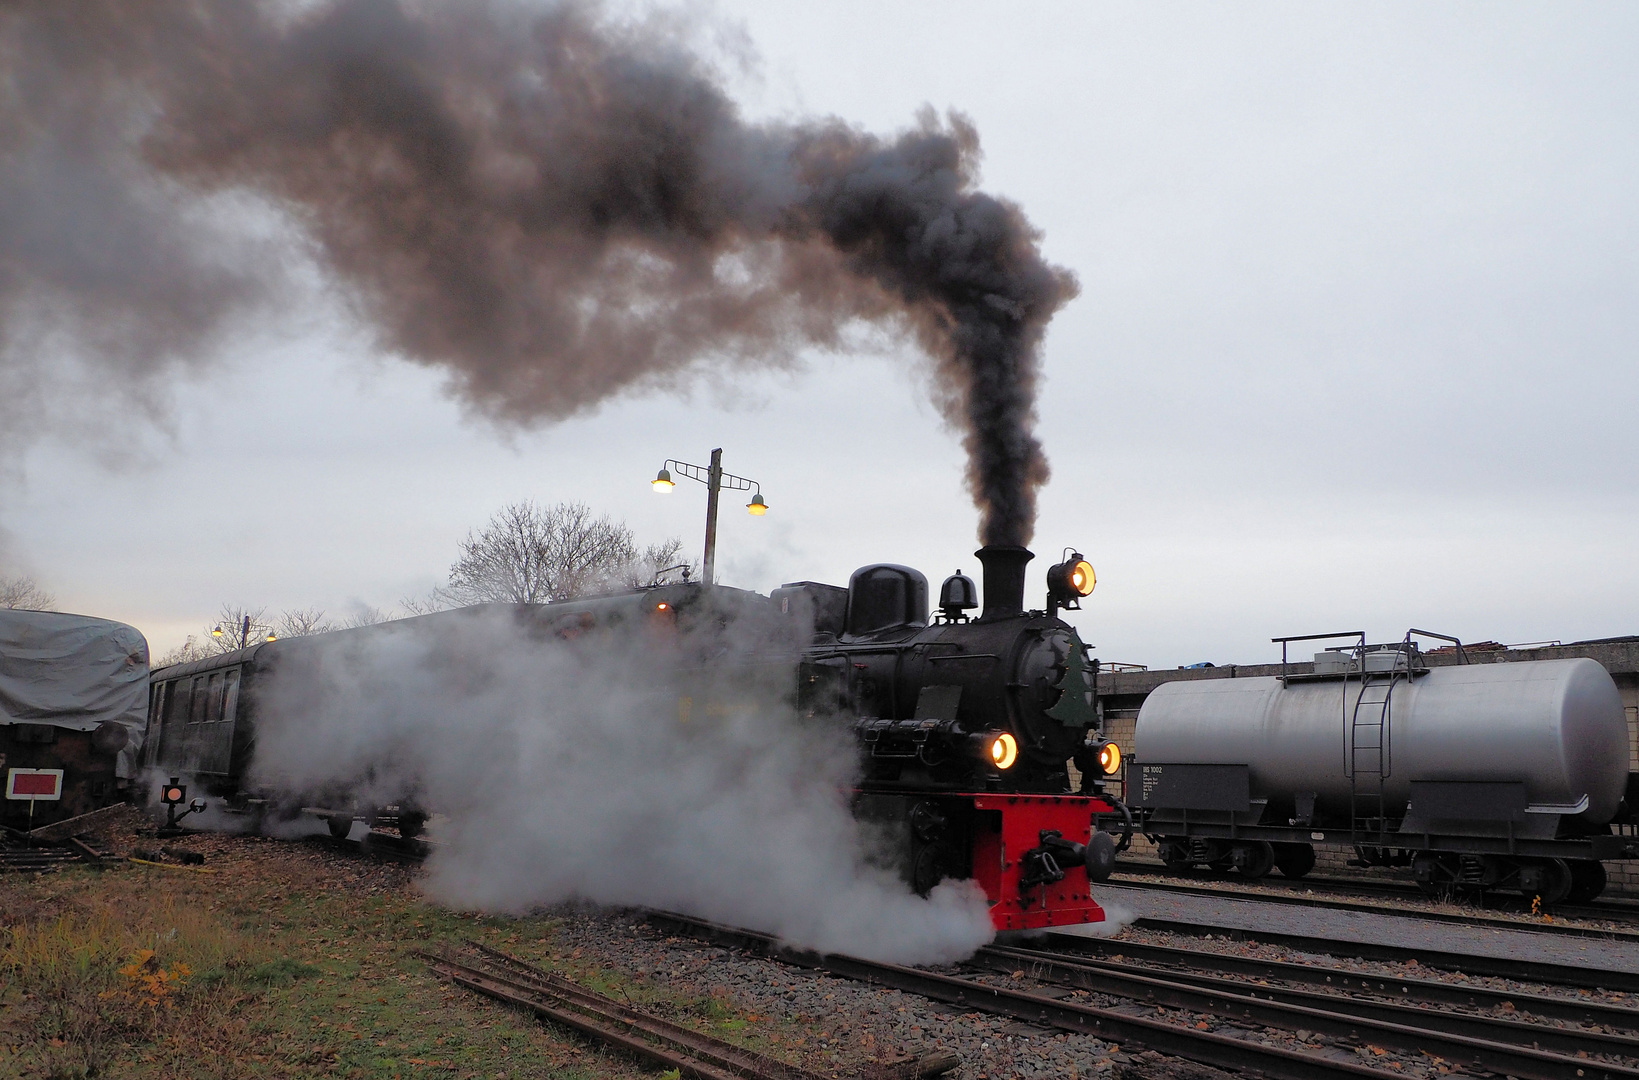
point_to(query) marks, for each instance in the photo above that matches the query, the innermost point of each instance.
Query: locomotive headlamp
(1082, 578)
(173, 794)
(1109, 758)
(757, 507)
(1004, 751)
(271, 636)
(663, 482)
(1072, 579)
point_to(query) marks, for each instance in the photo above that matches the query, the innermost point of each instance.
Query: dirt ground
(276, 959)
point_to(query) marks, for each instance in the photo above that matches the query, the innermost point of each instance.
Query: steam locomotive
(965, 726)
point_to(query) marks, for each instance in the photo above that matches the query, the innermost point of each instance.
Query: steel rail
(1492, 922)
(724, 1053)
(1536, 971)
(737, 1059)
(1403, 989)
(1506, 1046)
(1222, 1051)
(1608, 908)
(527, 997)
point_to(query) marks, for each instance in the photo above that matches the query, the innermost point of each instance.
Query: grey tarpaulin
(73, 671)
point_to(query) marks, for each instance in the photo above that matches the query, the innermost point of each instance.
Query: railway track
(1494, 922)
(1215, 1009)
(1531, 971)
(1368, 1014)
(1047, 1009)
(383, 845)
(1280, 890)
(671, 1046)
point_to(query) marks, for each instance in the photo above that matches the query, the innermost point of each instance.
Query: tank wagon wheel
(1587, 880)
(1174, 855)
(339, 825)
(1559, 882)
(1254, 859)
(1294, 860)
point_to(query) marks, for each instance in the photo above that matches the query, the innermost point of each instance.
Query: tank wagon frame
(1465, 812)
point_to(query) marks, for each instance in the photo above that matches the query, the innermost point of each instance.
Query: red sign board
(34, 784)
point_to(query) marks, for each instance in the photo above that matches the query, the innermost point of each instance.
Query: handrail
(1462, 657)
(1361, 634)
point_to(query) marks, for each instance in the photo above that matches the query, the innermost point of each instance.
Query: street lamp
(715, 480)
(244, 632)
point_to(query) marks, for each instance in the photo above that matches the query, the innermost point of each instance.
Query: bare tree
(234, 628)
(303, 622)
(656, 564)
(529, 554)
(24, 593)
(365, 615)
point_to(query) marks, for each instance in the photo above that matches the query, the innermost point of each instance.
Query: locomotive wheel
(339, 826)
(1100, 856)
(1254, 859)
(410, 823)
(1294, 860)
(929, 866)
(1587, 880)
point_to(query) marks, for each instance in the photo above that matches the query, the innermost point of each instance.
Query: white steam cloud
(620, 769)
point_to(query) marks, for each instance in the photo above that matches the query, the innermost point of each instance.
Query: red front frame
(997, 855)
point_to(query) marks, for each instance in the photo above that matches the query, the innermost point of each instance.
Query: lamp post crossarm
(702, 474)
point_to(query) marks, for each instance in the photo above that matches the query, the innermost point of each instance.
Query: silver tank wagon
(1557, 726)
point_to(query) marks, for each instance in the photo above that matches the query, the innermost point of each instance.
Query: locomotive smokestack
(1004, 579)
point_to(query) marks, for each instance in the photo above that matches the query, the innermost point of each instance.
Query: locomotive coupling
(1045, 864)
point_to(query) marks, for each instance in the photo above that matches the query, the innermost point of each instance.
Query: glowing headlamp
(1071, 580)
(1109, 758)
(1004, 751)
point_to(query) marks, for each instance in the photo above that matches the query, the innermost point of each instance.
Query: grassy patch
(288, 962)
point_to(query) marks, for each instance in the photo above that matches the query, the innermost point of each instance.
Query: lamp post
(715, 480)
(244, 632)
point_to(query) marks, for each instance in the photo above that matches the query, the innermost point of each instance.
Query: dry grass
(288, 961)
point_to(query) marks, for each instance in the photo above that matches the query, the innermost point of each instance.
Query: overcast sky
(1354, 350)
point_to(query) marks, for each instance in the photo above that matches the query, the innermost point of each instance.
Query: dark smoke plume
(550, 206)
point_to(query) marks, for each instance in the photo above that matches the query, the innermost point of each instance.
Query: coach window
(214, 714)
(230, 696)
(176, 703)
(156, 723)
(196, 715)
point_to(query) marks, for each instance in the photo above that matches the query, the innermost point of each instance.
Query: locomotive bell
(956, 595)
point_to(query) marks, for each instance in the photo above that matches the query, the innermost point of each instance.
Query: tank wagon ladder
(1369, 760)
(1369, 753)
